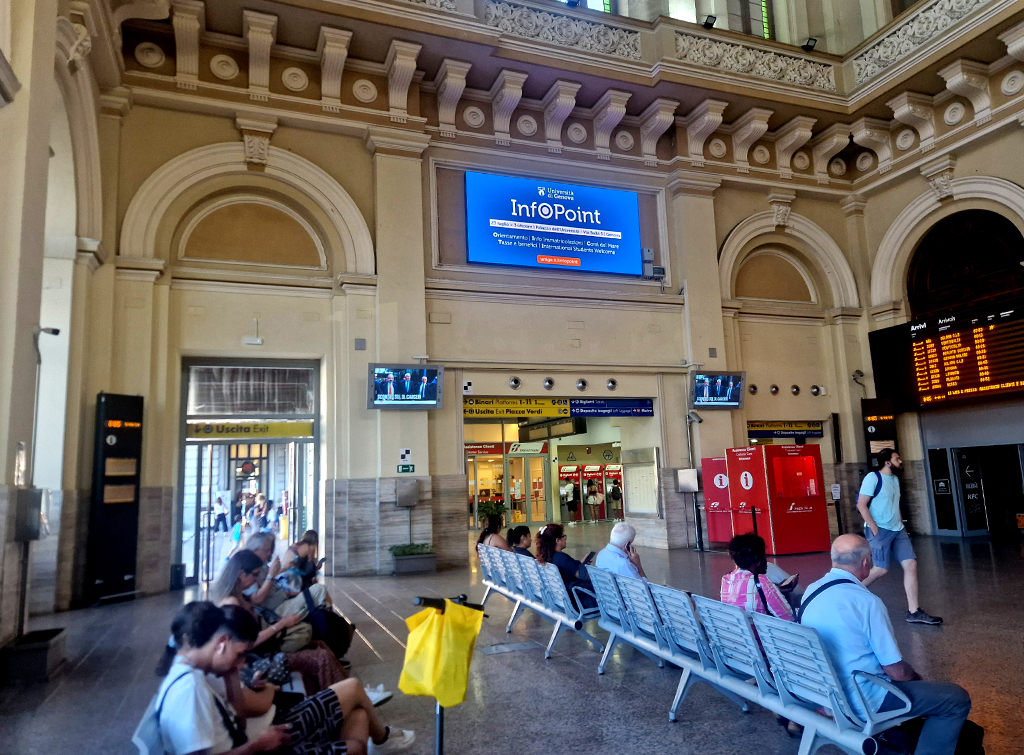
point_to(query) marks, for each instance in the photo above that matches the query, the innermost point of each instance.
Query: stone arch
(158, 192)
(787, 257)
(814, 240)
(81, 96)
(889, 273)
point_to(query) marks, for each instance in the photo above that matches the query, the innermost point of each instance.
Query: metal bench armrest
(878, 718)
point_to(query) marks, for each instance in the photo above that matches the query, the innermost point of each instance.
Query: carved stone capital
(788, 139)
(970, 79)
(915, 110)
(608, 112)
(396, 143)
(557, 104)
(700, 124)
(189, 21)
(853, 205)
(939, 173)
(750, 127)
(401, 65)
(450, 83)
(332, 49)
(505, 94)
(256, 133)
(827, 145)
(780, 200)
(873, 134)
(260, 30)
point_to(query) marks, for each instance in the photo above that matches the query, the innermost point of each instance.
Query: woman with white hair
(619, 555)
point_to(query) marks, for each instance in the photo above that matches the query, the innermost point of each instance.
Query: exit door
(971, 484)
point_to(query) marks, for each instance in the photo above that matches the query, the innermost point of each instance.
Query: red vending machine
(613, 477)
(593, 474)
(572, 473)
(783, 487)
(717, 507)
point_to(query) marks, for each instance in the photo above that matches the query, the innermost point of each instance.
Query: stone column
(24, 156)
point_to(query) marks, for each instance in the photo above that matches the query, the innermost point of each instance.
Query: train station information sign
(536, 223)
(249, 430)
(501, 406)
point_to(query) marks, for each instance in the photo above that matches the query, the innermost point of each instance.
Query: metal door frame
(954, 483)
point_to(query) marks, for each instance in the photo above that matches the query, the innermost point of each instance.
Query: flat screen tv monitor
(719, 390)
(405, 386)
(530, 222)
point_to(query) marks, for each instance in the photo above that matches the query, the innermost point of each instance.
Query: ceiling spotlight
(548, 384)
(753, 389)
(808, 46)
(795, 390)
(774, 390)
(709, 22)
(515, 383)
(612, 384)
(581, 384)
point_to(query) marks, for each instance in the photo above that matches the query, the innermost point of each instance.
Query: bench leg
(810, 742)
(591, 639)
(554, 636)
(612, 641)
(487, 594)
(515, 615)
(734, 697)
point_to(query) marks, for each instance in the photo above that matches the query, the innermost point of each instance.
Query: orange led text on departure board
(977, 357)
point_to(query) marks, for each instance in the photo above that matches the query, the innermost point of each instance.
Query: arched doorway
(971, 258)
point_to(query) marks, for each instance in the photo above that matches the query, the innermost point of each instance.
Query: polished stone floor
(517, 701)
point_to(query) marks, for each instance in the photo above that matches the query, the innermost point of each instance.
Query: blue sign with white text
(611, 407)
(535, 223)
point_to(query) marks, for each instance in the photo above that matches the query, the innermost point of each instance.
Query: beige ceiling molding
(562, 29)
(608, 112)
(750, 127)
(969, 79)
(888, 274)
(557, 104)
(401, 65)
(450, 83)
(701, 122)
(654, 122)
(819, 247)
(79, 93)
(258, 199)
(763, 64)
(448, 5)
(158, 192)
(505, 94)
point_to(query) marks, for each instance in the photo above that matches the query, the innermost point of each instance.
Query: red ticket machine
(613, 477)
(779, 491)
(594, 473)
(717, 506)
(572, 473)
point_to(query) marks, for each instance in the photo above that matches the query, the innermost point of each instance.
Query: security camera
(857, 374)
(549, 383)
(612, 384)
(514, 383)
(582, 384)
(815, 390)
(692, 416)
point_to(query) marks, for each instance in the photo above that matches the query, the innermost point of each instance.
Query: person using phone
(619, 556)
(551, 542)
(748, 585)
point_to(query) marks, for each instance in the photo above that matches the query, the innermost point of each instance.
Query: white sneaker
(398, 741)
(378, 695)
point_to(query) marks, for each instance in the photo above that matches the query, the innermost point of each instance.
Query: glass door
(486, 487)
(204, 537)
(538, 468)
(518, 489)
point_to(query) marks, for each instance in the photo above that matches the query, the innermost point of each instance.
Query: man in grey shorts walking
(883, 528)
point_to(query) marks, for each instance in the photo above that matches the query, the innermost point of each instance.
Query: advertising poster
(535, 223)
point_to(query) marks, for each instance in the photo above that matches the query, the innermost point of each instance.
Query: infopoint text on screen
(535, 223)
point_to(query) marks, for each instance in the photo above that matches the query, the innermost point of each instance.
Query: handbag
(329, 626)
(273, 669)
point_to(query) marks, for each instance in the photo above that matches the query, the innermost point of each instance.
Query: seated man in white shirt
(619, 555)
(855, 629)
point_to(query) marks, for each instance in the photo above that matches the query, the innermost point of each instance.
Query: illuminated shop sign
(534, 223)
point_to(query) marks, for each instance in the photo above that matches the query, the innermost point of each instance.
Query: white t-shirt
(189, 718)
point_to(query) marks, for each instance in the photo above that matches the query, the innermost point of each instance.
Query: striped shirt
(739, 589)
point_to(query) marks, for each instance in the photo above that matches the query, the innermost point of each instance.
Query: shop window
(970, 258)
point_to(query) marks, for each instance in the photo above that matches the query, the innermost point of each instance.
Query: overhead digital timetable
(973, 356)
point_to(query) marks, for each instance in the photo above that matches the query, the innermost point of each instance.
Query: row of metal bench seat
(722, 645)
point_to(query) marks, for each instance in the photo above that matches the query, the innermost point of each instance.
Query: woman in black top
(551, 540)
(520, 540)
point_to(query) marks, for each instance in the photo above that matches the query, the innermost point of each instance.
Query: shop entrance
(248, 459)
(978, 490)
(508, 479)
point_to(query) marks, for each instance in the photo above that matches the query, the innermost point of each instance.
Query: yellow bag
(439, 652)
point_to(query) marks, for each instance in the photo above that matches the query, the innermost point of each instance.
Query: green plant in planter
(411, 549)
(486, 508)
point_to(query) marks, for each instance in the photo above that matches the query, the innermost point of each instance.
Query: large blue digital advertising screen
(535, 223)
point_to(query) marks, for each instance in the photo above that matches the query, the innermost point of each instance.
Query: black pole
(438, 730)
(697, 523)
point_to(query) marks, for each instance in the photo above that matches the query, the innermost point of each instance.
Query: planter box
(36, 656)
(418, 564)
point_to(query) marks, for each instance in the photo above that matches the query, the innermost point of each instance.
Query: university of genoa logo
(540, 191)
